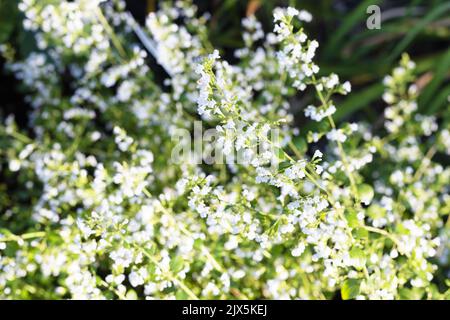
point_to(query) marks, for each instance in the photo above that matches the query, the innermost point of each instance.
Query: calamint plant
(95, 206)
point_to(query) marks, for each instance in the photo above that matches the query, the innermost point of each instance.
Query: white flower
(126, 89)
(14, 165)
(347, 87)
(319, 169)
(215, 55)
(305, 16)
(336, 135)
(317, 154)
(318, 114)
(296, 171)
(291, 12)
(135, 279)
(297, 251)
(278, 14)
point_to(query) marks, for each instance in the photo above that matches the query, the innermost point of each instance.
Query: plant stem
(345, 162)
(26, 236)
(431, 152)
(110, 32)
(294, 149)
(384, 233)
(342, 154)
(169, 275)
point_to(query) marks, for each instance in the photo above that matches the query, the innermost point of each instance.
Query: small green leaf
(411, 293)
(181, 295)
(350, 289)
(284, 165)
(8, 15)
(376, 211)
(352, 218)
(301, 144)
(350, 20)
(274, 228)
(131, 295)
(176, 264)
(359, 100)
(358, 256)
(5, 232)
(360, 233)
(366, 193)
(439, 77)
(431, 16)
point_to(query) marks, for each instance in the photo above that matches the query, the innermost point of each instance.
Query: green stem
(294, 149)
(345, 162)
(431, 152)
(26, 236)
(169, 275)
(384, 233)
(21, 137)
(110, 31)
(342, 154)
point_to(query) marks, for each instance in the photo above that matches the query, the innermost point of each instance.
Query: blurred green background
(347, 46)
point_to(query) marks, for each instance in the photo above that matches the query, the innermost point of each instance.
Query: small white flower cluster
(330, 85)
(121, 139)
(207, 106)
(319, 114)
(401, 104)
(298, 52)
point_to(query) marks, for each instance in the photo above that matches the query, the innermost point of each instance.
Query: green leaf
(411, 293)
(360, 233)
(301, 144)
(8, 13)
(350, 289)
(5, 232)
(438, 102)
(376, 211)
(176, 264)
(274, 228)
(131, 295)
(181, 295)
(440, 72)
(431, 16)
(358, 100)
(284, 164)
(359, 256)
(366, 193)
(350, 20)
(352, 218)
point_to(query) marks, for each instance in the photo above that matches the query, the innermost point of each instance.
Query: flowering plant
(94, 204)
